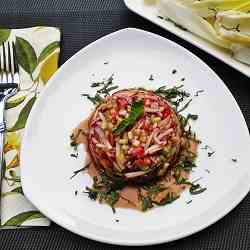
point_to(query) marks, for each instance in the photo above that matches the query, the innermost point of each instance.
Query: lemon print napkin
(37, 52)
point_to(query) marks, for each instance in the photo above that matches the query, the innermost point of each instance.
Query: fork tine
(16, 68)
(9, 72)
(1, 70)
(15, 65)
(4, 68)
(4, 58)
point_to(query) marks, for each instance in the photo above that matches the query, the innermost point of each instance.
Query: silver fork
(9, 82)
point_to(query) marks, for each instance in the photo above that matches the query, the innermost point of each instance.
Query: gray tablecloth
(82, 22)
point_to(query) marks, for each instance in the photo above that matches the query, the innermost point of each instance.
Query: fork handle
(4, 86)
(2, 132)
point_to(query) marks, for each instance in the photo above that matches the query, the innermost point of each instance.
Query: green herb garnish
(146, 203)
(80, 170)
(97, 99)
(196, 189)
(185, 106)
(106, 189)
(151, 77)
(153, 189)
(106, 86)
(174, 95)
(137, 110)
(168, 200)
(198, 92)
(184, 120)
(209, 154)
(187, 165)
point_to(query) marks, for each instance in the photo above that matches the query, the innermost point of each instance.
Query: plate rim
(195, 41)
(48, 213)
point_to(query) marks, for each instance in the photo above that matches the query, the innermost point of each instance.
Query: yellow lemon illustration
(13, 141)
(49, 67)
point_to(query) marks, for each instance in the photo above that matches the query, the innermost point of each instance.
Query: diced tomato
(111, 139)
(123, 103)
(138, 152)
(147, 161)
(146, 125)
(143, 162)
(114, 115)
(147, 102)
(173, 125)
(166, 112)
(139, 162)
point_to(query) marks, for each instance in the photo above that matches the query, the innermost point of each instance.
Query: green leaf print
(4, 168)
(4, 35)
(15, 102)
(48, 50)
(17, 190)
(19, 219)
(26, 55)
(23, 116)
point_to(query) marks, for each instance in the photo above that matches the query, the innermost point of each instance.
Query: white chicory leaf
(225, 23)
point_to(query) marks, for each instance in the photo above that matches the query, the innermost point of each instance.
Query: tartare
(142, 149)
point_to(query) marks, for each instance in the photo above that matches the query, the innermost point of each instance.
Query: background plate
(150, 12)
(47, 166)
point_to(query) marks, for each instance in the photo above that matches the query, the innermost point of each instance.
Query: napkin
(38, 51)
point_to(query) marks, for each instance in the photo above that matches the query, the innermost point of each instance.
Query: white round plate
(133, 55)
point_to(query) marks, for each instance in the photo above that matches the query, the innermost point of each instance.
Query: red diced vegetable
(123, 103)
(166, 112)
(147, 102)
(138, 152)
(114, 115)
(146, 125)
(111, 139)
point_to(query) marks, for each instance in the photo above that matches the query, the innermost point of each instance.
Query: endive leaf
(234, 26)
(179, 13)
(208, 8)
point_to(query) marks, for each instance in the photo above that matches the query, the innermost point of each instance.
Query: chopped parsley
(198, 92)
(185, 106)
(105, 88)
(210, 153)
(80, 170)
(106, 189)
(174, 95)
(151, 77)
(146, 203)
